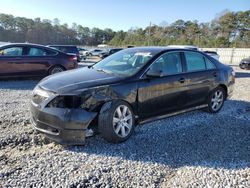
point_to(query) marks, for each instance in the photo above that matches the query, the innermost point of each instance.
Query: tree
(228, 29)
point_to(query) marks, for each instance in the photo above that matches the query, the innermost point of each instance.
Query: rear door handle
(182, 80)
(215, 74)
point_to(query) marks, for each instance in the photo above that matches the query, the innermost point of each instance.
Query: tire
(216, 100)
(78, 59)
(116, 121)
(242, 67)
(56, 69)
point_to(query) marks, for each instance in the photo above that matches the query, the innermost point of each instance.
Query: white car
(96, 52)
(83, 53)
(191, 47)
(210, 53)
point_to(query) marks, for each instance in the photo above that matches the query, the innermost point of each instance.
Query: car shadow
(193, 139)
(21, 84)
(242, 74)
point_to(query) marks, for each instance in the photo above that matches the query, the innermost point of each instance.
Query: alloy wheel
(217, 100)
(122, 121)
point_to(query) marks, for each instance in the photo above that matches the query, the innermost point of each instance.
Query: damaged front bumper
(62, 125)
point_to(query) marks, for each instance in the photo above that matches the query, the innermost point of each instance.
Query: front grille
(37, 99)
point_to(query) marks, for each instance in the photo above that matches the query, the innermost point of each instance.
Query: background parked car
(68, 49)
(110, 52)
(33, 60)
(83, 53)
(245, 63)
(95, 52)
(191, 47)
(212, 54)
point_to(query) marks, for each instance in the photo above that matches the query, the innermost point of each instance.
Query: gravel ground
(195, 149)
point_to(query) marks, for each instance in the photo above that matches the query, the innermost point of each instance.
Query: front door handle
(182, 80)
(215, 74)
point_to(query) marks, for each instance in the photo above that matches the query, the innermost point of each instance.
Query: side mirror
(154, 73)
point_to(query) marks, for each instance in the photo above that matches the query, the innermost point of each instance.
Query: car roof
(63, 45)
(26, 44)
(159, 49)
(23, 44)
(116, 48)
(30, 45)
(184, 46)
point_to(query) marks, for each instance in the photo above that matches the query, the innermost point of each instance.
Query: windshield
(125, 63)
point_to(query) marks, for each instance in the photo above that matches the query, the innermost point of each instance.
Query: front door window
(168, 64)
(12, 51)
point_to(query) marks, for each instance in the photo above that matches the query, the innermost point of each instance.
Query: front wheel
(216, 100)
(116, 121)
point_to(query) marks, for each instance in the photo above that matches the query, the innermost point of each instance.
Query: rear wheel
(216, 100)
(116, 121)
(56, 69)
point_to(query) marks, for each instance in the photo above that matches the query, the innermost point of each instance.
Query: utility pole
(198, 40)
(149, 33)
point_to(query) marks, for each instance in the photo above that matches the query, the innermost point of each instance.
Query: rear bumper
(64, 126)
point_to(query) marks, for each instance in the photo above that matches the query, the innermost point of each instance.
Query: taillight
(74, 58)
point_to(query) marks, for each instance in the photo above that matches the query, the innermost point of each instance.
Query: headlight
(40, 95)
(65, 102)
(41, 92)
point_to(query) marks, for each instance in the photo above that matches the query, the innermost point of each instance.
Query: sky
(121, 14)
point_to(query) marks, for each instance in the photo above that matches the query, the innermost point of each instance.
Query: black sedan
(132, 86)
(109, 52)
(245, 63)
(29, 60)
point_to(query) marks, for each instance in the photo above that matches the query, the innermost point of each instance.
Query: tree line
(229, 29)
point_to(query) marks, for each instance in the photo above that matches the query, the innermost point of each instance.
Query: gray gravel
(195, 149)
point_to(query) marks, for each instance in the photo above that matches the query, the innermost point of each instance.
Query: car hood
(246, 59)
(76, 81)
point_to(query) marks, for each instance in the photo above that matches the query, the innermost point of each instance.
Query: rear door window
(209, 64)
(168, 64)
(12, 51)
(195, 61)
(36, 52)
(51, 53)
